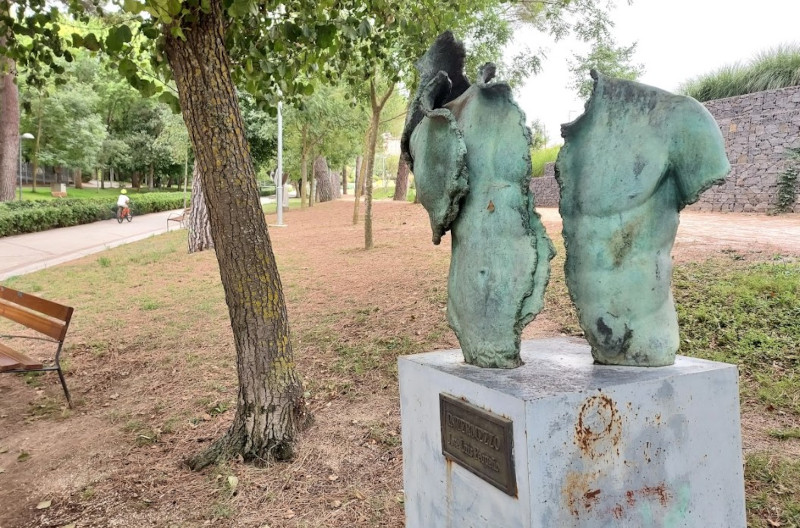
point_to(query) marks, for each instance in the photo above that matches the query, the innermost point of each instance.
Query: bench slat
(36, 304)
(54, 329)
(6, 363)
(10, 359)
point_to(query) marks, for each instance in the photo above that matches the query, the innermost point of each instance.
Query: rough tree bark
(77, 176)
(270, 407)
(325, 190)
(199, 225)
(359, 180)
(344, 178)
(336, 184)
(401, 182)
(9, 129)
(377, 108)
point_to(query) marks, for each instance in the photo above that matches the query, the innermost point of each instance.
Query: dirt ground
(156, 383)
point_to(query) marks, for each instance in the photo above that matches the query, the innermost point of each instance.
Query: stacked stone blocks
(758, 129)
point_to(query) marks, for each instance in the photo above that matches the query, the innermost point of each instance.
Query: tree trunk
(359, 183)
(150, 177)
(401, 182)
(270, 406)
(344, 178)
(303, 167)
(377, 108)
(136, 181)
(336, 184)
(312, 184)
(9, 130)
(325, 190)
(77, 175)
(199, 226)
(36, 145)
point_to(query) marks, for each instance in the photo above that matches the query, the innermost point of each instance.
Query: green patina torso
(471, 163)
(629, 164)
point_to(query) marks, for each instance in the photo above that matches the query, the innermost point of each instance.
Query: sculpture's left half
(469, 150)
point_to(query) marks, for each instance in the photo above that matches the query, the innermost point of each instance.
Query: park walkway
(23, 254)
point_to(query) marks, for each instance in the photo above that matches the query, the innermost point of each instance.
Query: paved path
(22, 254)
(715, 231)
(700, 231)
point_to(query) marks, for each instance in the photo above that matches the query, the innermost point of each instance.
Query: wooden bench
(45, 317)
(181, 217)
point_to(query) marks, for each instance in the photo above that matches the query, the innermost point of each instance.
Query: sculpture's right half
(630, 163)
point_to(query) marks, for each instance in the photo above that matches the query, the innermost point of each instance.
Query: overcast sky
(677, 40)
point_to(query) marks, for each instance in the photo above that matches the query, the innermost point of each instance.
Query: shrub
(769, 70)
(30, 216)
(539, 158)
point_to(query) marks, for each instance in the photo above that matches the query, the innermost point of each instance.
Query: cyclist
(123, 202)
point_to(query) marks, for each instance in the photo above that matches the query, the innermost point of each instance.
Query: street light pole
(26, 135)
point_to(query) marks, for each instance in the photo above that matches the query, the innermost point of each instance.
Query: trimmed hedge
(30, 216)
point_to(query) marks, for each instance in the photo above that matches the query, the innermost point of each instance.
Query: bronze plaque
(478, 440)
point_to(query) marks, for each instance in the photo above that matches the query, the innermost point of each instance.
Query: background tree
(607, 58)
(9, 113)
(401, 181)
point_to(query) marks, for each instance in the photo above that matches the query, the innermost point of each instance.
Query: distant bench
(45, 317)
(181, 217)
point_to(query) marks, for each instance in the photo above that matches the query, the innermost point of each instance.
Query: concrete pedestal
(593, 446)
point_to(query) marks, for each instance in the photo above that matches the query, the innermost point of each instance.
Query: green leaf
(364, 28)
(117, 37)
(308, 89)
(240, 8)
(169, 99)
(132, 6)
(174, 7)
(177, 32)
(90, 42)
(150, 31)
(325, 35)
(127, 68)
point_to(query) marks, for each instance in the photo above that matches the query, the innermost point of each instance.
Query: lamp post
(26, 135)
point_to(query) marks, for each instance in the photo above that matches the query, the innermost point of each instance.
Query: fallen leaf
(206, 417)
(333, 477)
(491, 206)
(337, 504)
(70, 525)
(289, 515)
(233, 481)
(774, 524)
(23, 456)
(2, 470)
(3, 450)
(114, 396)
(358, 495)
(44, 505)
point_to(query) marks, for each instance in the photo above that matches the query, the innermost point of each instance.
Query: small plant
(104, 262)
(787, 182)
(785, 434)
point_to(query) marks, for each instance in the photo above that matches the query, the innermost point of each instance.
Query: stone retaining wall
(758, 128)
(545, 187)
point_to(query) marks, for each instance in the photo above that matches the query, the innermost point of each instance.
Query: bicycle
(124, 213)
